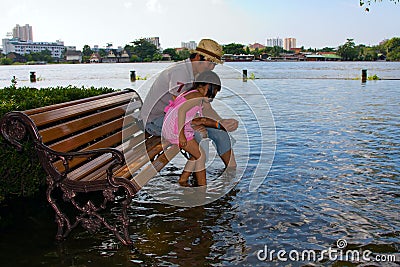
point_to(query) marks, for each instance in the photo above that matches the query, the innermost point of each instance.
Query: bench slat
(79, 109)
(111, 141)
(150, 171)
(76, 141)
(78, 101)
(137, 155)
(68, 128)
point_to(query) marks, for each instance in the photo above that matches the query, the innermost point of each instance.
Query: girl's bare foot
(184, 183)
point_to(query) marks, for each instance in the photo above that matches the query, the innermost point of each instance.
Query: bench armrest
(48, 156)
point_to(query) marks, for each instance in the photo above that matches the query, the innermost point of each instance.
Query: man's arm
(229, 124)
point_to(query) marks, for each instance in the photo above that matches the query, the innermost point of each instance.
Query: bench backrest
(104, 121)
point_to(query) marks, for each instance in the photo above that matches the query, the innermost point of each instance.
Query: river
(319, 157)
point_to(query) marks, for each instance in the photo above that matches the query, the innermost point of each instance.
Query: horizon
(314, 25)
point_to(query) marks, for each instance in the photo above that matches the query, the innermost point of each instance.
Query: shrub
(20, 172)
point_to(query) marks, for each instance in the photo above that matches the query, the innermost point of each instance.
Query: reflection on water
(335, 176)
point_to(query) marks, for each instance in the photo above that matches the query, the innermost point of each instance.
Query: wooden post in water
(32, 77)
(245, 75)
(133, 76)
(364, 76)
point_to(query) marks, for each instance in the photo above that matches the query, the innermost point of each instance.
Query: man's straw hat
(210, 49)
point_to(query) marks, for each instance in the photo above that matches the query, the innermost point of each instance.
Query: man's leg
(223, 143)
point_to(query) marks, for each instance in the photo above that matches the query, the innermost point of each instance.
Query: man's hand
(201, 129)
(229, 124)
(198, 126)
(182, 140)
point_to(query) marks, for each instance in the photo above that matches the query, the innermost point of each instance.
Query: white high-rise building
(189, 45)
(289, 43)
(23, 33)
(271, 42)
(154, 40)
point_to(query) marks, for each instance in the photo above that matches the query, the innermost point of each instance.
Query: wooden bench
(92, 144)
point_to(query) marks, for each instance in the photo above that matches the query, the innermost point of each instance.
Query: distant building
(123, 57)
(271, 42)
(191, 45)
(256, 46)
(113, 56)
(242, 57)
(321, 56)
(110, 58)
(23, 33)
(289, 43)
(22, 48)
(73, 56)
(296, 50)
(95, 58)
(166, 57)
(154, 40)
(70, 48)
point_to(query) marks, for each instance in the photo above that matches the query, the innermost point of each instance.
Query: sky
(314, 23)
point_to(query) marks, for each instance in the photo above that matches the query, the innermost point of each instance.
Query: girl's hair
(211, 78)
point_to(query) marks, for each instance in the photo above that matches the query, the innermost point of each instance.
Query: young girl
(186, 110)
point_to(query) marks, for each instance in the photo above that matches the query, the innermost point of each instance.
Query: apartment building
(271, 42)
(15, 45)
(23, 33)
(289, 43)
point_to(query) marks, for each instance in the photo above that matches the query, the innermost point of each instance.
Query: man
(179, 78)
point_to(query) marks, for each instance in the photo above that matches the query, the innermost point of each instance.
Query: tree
(368, 2)
(40, 56)
(171, 51)
(183, 54)
(276, 51)
(348, 50)
(5, 61)
(327, 49)
(233, 48)
(392, 48)
(144, 50)
(102, 52)
(256, 52)
(392, 44)
(86, 53)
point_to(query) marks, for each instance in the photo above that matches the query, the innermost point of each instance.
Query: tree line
(143, 51)
(389, 49)
(349, 51)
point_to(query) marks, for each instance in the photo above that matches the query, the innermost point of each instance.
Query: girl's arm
(207, 122)
(209, 112)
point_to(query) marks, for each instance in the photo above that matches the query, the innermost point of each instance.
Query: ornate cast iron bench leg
(61, 220)
(89, 216)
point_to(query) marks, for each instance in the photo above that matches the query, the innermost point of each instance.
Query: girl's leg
(188, 169)
(199, 167)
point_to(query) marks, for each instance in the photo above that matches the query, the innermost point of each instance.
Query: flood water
(333, 183)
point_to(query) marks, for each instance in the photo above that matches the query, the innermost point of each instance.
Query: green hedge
(20, 172)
